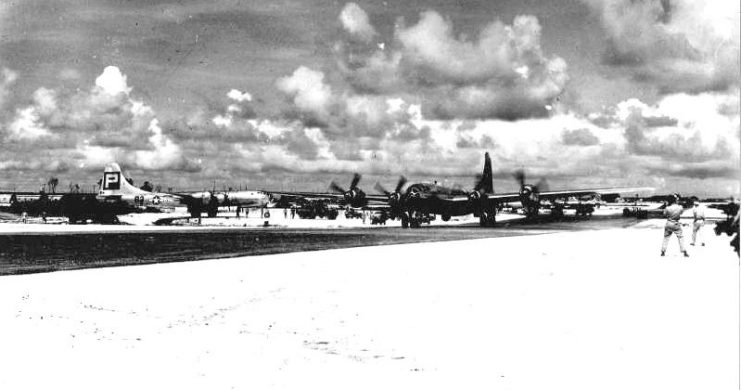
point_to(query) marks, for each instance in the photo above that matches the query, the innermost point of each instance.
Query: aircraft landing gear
(195, 210)
(213, 207)
(488, 218)
(446, 217)
(412, 219)
(404, 220)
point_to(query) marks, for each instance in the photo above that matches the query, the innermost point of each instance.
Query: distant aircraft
(351, 197)
(116, 189)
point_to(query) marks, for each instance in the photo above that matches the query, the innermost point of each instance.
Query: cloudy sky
(289, 94)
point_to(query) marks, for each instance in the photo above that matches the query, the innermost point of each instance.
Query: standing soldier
(672, 212)
(698, 214)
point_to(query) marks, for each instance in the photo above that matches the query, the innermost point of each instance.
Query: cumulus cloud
(239, 96)
(677, 45)
(164, 154)
(582, 137)
(112, 82)
(355, 21)
(697, 131)
(308, 92)
(27, 126)
(88, 126)
(502, 73)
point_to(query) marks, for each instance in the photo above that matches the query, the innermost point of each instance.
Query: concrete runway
(582, 309)
(64, 247)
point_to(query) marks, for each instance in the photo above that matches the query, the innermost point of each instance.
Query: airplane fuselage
(432, 198)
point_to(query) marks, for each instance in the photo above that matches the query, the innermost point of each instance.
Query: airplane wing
(503, 198)
(550, 195)
(325, 195)
(593, 191)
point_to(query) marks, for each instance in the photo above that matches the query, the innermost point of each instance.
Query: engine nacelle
(530, 199)
(354, 197)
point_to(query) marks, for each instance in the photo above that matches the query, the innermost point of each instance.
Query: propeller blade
(401, 183)
(380, 189)
(336, 188)
(355, 180)
(520, 176)
(542, 185)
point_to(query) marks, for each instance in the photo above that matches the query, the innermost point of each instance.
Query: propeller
(474, 196)
(380, 189)
(355, 179)
(542, 185)
(395, 196)
(336, 188)
(479, 184)
(520, 176)
(354, 195)
(353, 184)
(529, 194)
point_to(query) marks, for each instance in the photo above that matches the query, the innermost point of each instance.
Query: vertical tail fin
(114, 182)
(487, 178)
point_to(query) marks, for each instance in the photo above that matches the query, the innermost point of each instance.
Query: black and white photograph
(380, 194)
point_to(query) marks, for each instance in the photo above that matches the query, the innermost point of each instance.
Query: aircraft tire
(446, 217)
(483, 218)
(414, 224)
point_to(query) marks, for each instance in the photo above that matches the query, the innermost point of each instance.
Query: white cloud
(165, 153)
(239, 96)
(355, 21)
(112, 81)
(678, 45)
(84, 128)
(27, 126)
(501, 73)
(308, 91)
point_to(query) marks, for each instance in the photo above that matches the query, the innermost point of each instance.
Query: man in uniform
(698, 214)
(672, 212)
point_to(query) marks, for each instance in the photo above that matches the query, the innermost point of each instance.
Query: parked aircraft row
(412, 205)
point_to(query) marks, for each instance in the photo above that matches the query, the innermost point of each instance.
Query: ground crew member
(698, 214)
(672, 212)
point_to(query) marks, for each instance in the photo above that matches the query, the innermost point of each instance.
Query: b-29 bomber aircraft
(427, 198)
(115, 189)
(414, 204)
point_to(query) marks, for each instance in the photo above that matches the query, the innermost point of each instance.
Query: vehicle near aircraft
(316, 208)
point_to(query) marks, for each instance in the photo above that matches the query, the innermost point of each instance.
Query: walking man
(698, 214)
(672, 212)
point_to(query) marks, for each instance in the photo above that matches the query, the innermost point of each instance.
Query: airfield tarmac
(578, 309)
(43, 248)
